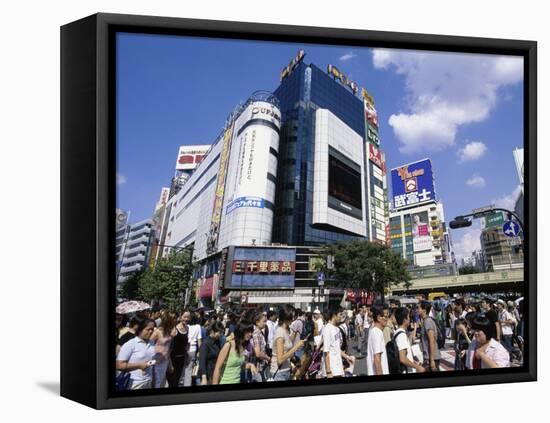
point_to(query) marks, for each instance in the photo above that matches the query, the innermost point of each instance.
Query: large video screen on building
(344, 182)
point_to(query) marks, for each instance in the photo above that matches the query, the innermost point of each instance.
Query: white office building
(136, 240)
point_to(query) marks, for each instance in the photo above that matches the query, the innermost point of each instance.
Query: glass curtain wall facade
(300, 94)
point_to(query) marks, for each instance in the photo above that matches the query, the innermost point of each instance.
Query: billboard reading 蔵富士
(412, 184)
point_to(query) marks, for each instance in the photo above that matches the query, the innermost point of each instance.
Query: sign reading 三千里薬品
(412, 184)
(262, 267)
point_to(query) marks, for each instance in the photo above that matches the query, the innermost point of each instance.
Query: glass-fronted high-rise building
(324, 120)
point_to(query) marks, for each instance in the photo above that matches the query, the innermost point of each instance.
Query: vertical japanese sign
(220, 188)
(371, 118)
(412, 184)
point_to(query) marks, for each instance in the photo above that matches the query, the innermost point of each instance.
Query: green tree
(365, 265)
(129, 289)
(467, 270)
(168, 280)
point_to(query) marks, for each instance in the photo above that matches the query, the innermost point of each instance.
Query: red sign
(371, 115)
(198, 158)
(264, 267)
(375, 156)
(186, 159)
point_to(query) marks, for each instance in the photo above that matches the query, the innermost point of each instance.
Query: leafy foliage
(166, 282)
(467, 270)
(365, 265)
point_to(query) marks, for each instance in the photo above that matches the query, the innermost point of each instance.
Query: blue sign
(320, 276)
(412, 184)
(511, 229)
(256, 202)
(256, 257)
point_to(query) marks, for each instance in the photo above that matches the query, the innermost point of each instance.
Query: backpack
(440, 335)
(392, 352)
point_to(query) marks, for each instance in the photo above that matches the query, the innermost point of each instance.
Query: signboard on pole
(321, 278)
(492, 220)
(511, 229)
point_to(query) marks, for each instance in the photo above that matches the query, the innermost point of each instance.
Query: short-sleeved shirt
(194, 334)
(136, 350)
(271, 328)
(297, 327)
(494, 350)
(506, 328)
(332, 339)
(258, 340)
(359, 320)
(376, 345)
(280, 332)
(402, 342)
(492, 316)
(429, 325)
(125, 338)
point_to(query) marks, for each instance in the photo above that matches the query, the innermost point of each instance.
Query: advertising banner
(262, 268)
(256, 202)
(412, 184)
(375, 156)
(220, 187)
(422, 240)
(371, 115)
(189, 156)
(256, 131)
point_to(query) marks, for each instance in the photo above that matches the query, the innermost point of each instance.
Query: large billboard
(412, 184)
(261, 268)
(422, 240)
(339, 175)
(344, 184)
(256, 135)
(189, 156)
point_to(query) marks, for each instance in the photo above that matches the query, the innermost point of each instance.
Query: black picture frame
(88, 202)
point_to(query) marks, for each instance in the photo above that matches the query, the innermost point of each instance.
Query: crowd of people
(204, 347)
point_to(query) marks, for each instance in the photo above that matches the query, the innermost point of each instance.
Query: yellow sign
(404, 173)
(337, 74)
(367, 97)
(220, 183)
(293, 63)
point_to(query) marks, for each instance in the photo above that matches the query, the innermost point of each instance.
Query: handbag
(123, 381)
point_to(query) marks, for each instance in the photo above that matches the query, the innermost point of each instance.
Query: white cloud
(472, 151)
(476, 181)
(467, 243)
(443, 92)
(508, 201)
(120, 179)
(349, 55)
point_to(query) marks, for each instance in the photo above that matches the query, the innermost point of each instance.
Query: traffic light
(460, 222)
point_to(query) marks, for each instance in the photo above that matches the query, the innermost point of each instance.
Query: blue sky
(463, 111)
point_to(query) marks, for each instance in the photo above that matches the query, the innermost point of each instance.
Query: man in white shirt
(377, 360)
(402, 341)
(507, 322)
(332, 365)
(360, 330)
